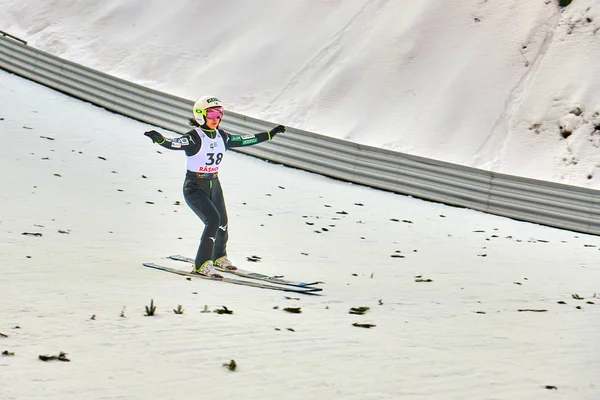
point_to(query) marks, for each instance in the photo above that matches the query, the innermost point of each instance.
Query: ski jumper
(202, 190)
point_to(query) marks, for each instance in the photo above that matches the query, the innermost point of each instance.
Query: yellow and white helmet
(204, 103)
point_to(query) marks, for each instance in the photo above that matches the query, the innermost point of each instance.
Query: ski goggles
(213, 112)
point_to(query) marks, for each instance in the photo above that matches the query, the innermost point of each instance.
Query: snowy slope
(445, 285)
(507, 86)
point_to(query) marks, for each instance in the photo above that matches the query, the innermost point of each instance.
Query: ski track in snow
(488, 157)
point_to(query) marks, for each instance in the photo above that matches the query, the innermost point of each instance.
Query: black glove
(277, 129)
(155, 136)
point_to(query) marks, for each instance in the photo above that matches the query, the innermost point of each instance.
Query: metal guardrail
(6, 34)
(547, 203)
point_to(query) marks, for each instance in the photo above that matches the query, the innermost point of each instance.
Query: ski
(232, 280)
(249, 274)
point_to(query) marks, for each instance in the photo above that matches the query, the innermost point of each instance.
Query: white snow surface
(465, 305)
(509, 86)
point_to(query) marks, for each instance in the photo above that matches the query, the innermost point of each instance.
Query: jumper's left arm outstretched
(234, 140)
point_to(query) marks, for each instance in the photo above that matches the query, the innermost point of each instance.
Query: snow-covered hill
(510, 86)
(457, 297)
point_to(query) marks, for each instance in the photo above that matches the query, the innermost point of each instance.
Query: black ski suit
(202, 189)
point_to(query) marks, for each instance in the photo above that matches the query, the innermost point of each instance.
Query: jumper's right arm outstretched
(185, 142)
